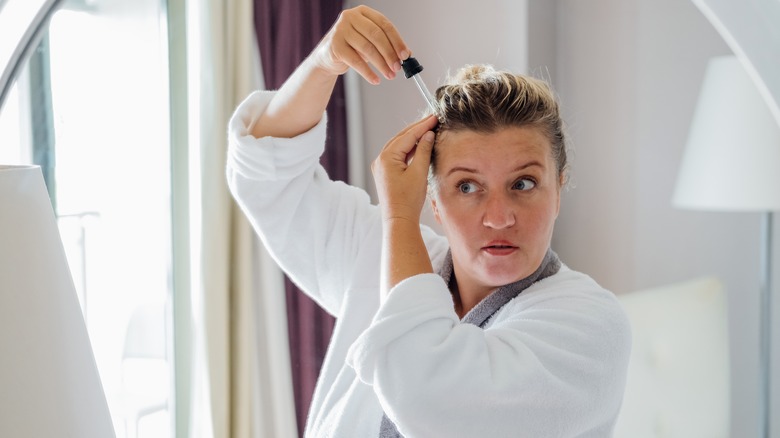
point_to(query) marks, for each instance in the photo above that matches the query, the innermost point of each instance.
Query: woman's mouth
(499, 248)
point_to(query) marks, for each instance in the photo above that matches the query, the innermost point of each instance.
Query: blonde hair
(483, 99)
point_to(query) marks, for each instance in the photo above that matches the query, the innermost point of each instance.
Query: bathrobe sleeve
(312, 226)
(551, 365)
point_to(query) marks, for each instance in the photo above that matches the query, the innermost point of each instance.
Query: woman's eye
(524, 184)
(467, 187)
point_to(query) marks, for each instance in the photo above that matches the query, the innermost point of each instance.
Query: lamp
(49, 382)
(732, 163)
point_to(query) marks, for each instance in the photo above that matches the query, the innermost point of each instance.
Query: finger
(402, 147)
(380, 42)
(369, 51)
(402, 51)
(422, 153)
(353, 59)
(417, 129)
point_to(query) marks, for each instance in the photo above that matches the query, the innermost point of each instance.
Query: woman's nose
(498, 212)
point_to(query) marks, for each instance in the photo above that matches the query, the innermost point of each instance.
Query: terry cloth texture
(486, 308)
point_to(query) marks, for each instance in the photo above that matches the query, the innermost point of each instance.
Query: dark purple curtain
(287, 31)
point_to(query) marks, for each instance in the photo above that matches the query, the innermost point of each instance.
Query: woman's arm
(361, 36)
(313, 226)
(401, 175)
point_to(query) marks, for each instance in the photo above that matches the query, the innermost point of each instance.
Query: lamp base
(766, 322)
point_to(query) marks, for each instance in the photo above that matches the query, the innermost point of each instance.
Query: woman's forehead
(508, 146)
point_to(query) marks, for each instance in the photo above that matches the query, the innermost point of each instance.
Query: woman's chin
(505, 270)
(498, 278)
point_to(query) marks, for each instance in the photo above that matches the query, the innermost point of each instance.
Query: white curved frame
(751, 30)
(17, 41)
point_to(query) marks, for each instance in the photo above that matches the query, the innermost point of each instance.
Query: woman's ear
(435, 209)
(561, 185)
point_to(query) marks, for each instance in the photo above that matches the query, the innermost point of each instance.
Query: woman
(503, 340)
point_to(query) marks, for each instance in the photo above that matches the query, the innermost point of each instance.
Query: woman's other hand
(401, 175)
(401, 171)
(362, 36)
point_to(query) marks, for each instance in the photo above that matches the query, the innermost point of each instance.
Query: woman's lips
(499, 248)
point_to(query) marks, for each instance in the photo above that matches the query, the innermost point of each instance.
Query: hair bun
(473, 73)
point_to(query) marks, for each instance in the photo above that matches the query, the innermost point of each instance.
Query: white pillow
(678, 375)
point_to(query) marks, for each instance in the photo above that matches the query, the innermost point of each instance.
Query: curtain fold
(238, 387)
(287, 31)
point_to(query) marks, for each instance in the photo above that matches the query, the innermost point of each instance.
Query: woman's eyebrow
(527, 165)
(517, 169)
(461, 169)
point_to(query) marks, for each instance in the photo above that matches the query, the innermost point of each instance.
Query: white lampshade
(732, 158)
(49, 382)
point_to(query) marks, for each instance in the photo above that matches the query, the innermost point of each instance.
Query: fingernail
(397, 66)
(428, 136)
(404, 55)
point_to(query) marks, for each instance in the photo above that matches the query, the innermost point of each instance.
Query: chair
(145, 368)
(678, 375)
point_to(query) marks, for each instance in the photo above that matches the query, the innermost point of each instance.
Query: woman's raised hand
(401, 171)
(361, 38)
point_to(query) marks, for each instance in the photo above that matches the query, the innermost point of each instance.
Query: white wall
(596, 79)
(673, 244)
(628, 74)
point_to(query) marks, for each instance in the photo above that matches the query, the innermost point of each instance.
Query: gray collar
(481, 313)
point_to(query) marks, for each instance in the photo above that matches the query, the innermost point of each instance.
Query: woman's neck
(466, 295)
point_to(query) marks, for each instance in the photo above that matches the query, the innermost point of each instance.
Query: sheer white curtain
(241, 384)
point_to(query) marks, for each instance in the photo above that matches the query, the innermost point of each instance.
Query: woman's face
(497, 197)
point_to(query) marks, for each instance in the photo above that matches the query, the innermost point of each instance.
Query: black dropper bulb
(411, 67)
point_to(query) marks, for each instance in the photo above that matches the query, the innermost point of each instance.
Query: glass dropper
(411, 69)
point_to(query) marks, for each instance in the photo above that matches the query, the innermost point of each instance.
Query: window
(91, 106)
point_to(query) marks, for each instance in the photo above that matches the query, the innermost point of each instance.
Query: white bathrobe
(550, 363)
